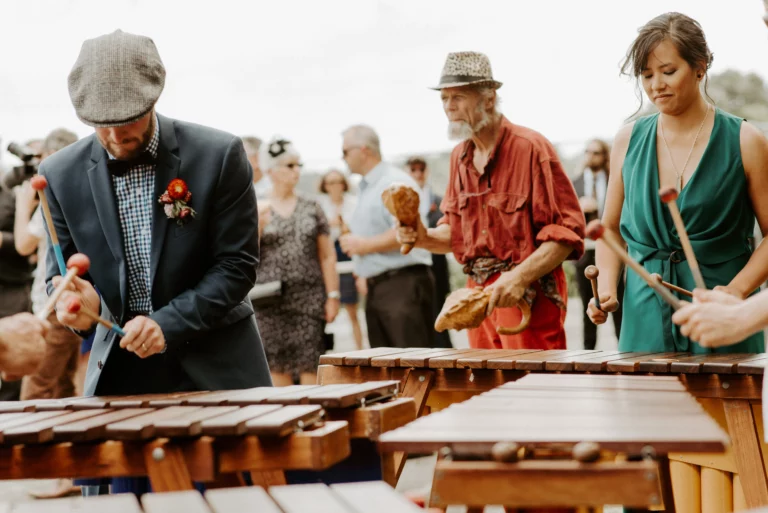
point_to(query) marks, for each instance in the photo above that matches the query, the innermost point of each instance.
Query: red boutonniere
(175, 202)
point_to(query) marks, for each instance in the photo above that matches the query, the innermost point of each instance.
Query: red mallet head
(39, 183)
(668, 194)
(595, 229)
(79, 261)
(74, 305)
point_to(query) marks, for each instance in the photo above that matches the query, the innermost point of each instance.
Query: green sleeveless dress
(717, 212)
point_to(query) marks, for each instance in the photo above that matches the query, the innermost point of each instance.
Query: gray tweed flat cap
(116, 80)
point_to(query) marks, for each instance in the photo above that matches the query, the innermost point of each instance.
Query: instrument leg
(166, 467)
(268, 478)
(665, 480)
(746, 449)
(417, 385)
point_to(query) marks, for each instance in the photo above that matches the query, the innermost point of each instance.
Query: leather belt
(410, 269)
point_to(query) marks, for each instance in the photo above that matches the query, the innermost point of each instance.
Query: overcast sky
(308, 69)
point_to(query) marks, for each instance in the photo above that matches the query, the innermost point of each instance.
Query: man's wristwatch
(334, 294)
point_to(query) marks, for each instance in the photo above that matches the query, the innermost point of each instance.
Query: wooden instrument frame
(728, 386)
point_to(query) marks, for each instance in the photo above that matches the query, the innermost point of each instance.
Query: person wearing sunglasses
(296, 249)
(400, 288)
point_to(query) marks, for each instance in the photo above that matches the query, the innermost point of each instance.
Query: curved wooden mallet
(39, 183)
(591, 273)
(669, 196)
(74, 305)
(78, 264)
(402, 201)
(467, 308)
(524, 322)
(681, 290)
(596, 231)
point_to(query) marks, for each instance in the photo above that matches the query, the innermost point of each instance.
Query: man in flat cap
(511, 214)
(166, 212)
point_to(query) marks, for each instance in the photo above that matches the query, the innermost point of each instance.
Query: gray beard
(459, 131)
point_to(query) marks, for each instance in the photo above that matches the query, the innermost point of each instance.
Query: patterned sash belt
(482, 268)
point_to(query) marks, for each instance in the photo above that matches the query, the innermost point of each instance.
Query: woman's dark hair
(683, 32)
(323, 188)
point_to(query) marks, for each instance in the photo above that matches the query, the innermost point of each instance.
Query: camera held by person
(19, 174)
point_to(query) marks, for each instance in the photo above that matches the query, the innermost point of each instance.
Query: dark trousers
(13, 299)
(399, 308)
(585, 291)
(442, 289)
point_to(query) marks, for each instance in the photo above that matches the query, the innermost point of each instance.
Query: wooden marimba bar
(176, 439)
(729, 386)
(630, 425)
(367, 497)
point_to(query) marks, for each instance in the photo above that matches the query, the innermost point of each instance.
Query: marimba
(728, 386)
(176, 439)
(549, 418)
(367, 497)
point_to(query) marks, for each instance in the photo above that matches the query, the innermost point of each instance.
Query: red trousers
(546, 330)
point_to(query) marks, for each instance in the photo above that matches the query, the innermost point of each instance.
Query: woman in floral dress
(296, 249)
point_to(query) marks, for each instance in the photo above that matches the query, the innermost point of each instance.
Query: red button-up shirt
(523, 199)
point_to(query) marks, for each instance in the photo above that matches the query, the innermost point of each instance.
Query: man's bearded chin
(122, 153)
(461, 130)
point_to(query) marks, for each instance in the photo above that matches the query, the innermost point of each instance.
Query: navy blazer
(201, 272)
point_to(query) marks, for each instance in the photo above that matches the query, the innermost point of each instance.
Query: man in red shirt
(511, 214)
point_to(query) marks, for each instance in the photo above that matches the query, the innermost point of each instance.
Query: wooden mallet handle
(591, 273)
(343, 228)
(74, 305)
(78, 264)
(675, 288)
(669, 196)
(595, 231)
(39, 183)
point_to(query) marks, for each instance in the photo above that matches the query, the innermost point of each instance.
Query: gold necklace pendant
(681, 174)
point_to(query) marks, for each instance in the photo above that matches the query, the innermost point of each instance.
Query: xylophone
(562, 441)
(729, 386)
(367, 497)
(176, 439)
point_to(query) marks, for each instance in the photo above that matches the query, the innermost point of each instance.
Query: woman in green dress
(718, 162)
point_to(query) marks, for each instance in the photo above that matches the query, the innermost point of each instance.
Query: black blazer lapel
(168, 164)
(106, 207)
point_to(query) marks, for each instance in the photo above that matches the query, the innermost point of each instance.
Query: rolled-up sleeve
(557, 216)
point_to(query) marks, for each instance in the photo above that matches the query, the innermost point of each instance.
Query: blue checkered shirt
(135, 201)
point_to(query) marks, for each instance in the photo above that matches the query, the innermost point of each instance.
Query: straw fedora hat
(465, 68)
